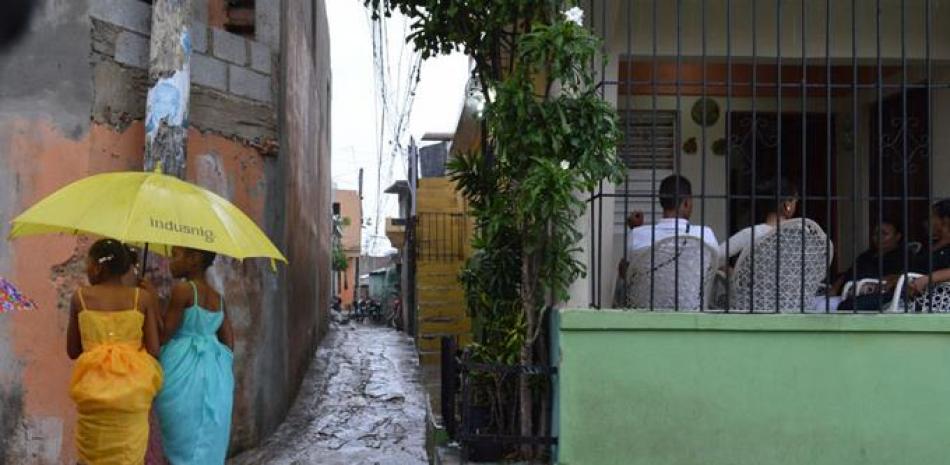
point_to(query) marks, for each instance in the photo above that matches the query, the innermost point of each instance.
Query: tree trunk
(524, 397)
(169, 73)
(529, 279)
(544, 422)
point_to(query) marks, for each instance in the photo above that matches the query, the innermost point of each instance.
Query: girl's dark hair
(111, 255)
(133, 254)
(207, 258)
(765, 194)
(894, 224)
(942, 209)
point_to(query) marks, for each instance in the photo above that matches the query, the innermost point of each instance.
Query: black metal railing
(441, 236)
(487, 429)
(810, 121)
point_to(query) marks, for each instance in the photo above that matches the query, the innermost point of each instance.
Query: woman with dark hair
(113, 336)
(776, 201)
(883, 261)
(194, 407)
(936, 267)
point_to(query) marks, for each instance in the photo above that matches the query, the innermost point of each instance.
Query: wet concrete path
(361, 403)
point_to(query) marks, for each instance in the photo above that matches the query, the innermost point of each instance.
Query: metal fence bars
(480, 404)
(441, 236)
(808, 135)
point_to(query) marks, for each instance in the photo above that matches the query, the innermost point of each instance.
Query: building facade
(844, 99)
(72, 104)
(351, 212)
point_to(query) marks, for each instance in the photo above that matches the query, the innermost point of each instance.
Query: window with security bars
(647, 149)
(810, 133)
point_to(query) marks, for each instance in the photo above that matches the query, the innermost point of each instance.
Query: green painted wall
(665, 389)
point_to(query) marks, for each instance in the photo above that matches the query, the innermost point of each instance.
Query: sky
(356, 108)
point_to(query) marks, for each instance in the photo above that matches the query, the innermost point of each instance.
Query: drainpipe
(169, 73)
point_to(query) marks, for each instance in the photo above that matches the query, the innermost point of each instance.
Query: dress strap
(135, 304)
(194, 290)
(82, 302)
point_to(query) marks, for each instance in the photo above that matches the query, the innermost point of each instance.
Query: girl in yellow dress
(113, 332)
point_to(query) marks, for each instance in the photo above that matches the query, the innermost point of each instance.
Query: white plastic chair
(775, 289)
(938, 296)
(864, 287)
(677, 281)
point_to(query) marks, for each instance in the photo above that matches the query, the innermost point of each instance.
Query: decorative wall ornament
(690, 146)
(705, 112)
(719, 146)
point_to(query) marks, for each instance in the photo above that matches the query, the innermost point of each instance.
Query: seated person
(676, 199)
(884, 260)
(935, 267)
(767, 210)
(675, 196)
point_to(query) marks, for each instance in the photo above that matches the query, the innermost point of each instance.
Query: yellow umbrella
(148, 208)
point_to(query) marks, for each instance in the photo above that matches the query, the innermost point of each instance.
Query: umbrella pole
(144, 262)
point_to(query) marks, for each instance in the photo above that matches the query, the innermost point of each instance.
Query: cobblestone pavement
(361, 403)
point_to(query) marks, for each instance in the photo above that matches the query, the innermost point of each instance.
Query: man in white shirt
(676, 198)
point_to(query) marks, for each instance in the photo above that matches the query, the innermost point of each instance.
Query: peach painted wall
(40, 159)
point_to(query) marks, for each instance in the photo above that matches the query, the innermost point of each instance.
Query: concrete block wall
(222, 61)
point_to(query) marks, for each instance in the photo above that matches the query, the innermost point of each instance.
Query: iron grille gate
(838, 98)
(441, 237)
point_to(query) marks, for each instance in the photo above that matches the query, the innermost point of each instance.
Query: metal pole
(360, 252)
(169, 73)
(166, 115)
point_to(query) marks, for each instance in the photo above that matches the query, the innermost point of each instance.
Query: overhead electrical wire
(396, 92)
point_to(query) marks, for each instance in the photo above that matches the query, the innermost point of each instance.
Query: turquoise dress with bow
(194, 406)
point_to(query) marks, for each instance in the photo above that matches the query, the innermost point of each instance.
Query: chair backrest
(678, 281)
(767, 281)
(935, 300)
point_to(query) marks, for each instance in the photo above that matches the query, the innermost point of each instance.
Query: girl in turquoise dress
(194, 407)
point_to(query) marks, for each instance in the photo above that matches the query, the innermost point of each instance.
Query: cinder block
(209, 72)
(267, 22)
(247, 83)
(260, 57)
(132, 15)
(199, 11)
(131, 49)
(199, 37)
(229, 47)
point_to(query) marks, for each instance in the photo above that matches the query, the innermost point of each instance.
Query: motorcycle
(368, 308)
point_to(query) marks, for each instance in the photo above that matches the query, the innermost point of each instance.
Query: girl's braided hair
(111, 255)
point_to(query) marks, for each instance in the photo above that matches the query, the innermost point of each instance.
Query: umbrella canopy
(148, 208)
(12, 299)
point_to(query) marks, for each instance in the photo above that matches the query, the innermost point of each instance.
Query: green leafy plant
(338, 258)
(340, 262)
(548, 137)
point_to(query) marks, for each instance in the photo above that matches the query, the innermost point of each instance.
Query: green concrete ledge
(642, 388)
(619, 320)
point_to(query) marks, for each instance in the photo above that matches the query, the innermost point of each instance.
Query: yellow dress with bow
(113, 384)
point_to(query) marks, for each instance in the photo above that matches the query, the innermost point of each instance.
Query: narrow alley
(361, 403)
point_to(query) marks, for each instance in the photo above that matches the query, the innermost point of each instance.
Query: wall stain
(11, 415)
(70, 275)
